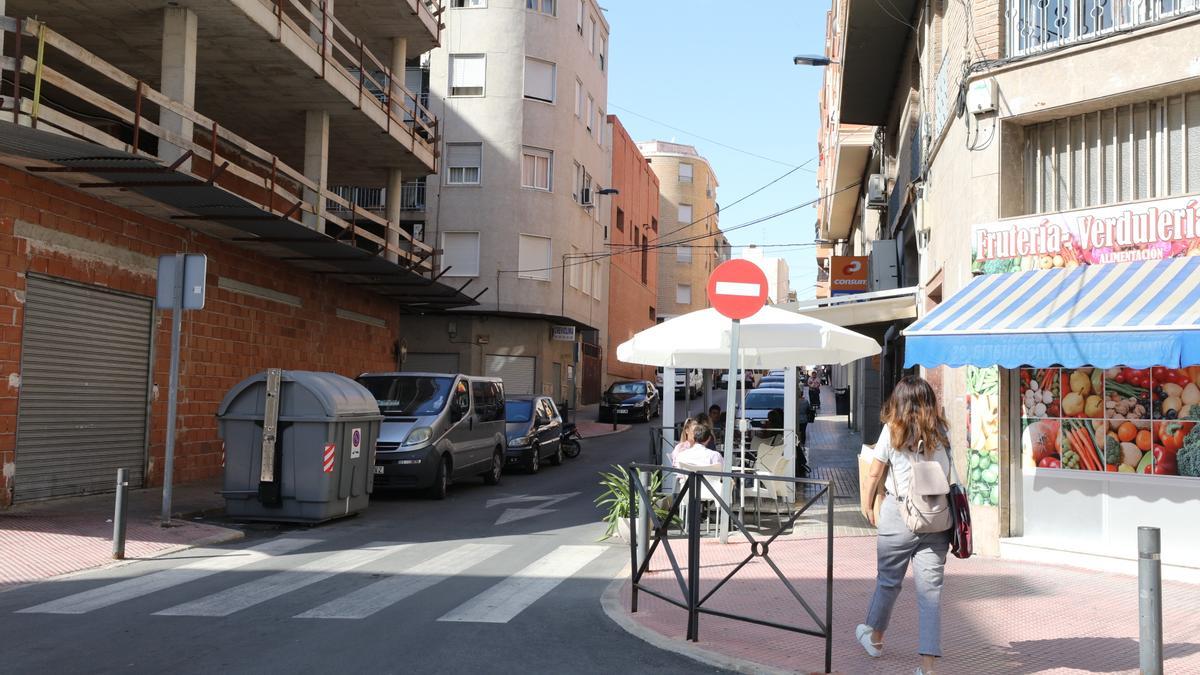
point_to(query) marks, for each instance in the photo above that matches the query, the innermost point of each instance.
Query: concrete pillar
(668, 413)
(2, 13)
(395, 184)
(316, 163)
(398, 66)
(178, 80)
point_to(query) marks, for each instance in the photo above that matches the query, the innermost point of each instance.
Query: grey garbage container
(322, 464)
(841, 400)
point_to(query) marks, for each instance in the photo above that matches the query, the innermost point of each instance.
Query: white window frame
(603, 53)
(591, 110)
(468, 4)
(586, 285)
(574, 261)
(598, 279)
(679, 215)
(680, 289)
(539, 6)
(538, 270)
(690, 172)
(450, 76)
(579, 18)
(450, 167)
(577, 182)
(600, 126)
(553, 80)
(457, 270)
(591, 36)
(537, 154)
(683, 253)
(579, 99)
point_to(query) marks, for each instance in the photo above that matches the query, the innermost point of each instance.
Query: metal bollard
(643, 521)
(119, 514)
(1150, 634)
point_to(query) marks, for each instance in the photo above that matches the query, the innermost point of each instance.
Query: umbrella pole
(730, 402)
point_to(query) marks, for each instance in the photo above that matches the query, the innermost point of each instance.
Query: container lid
(303, 394)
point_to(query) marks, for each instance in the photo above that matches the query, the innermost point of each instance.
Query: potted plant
(615, 498)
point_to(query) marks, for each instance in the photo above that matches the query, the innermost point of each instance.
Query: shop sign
(562, 333)
(848, 274)
(1147, 230)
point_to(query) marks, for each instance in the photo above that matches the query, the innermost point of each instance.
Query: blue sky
(723, 71)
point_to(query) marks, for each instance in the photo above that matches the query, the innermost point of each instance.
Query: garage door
(85, 370)
(516, 371)
(425, 362)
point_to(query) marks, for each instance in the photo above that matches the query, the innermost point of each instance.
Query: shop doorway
(591, 374)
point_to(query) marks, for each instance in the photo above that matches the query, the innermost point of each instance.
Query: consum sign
(848, 274)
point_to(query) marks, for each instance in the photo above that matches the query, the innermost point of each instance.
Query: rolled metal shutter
(423, 362)
(85, 371)
(516, 371)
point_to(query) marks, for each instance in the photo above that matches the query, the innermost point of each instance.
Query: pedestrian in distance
(814, 390)
(911, 461)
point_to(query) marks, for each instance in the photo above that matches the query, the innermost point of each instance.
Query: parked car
(689, 381)
(437, 428)
(534, 429)
(759, 402)
(636, 399)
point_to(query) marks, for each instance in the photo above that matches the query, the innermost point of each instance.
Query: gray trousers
(895, 546)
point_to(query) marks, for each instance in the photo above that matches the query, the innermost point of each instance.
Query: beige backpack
(926, 506)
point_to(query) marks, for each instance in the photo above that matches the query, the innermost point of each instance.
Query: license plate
(378, 469)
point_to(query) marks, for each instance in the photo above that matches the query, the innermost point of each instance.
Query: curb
(621, 428)
(611, 605)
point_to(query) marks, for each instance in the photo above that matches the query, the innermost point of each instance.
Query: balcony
(262, 64)
(1035, 26)
(412, 198)
(54, 123)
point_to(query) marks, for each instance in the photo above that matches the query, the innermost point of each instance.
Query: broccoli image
(1188, 457)
(1112, 451)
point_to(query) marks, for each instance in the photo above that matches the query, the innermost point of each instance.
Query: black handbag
(960, 507)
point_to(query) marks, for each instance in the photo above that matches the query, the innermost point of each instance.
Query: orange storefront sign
(848, 274)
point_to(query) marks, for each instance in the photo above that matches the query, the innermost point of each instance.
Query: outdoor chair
(758, 489)
(707, 495)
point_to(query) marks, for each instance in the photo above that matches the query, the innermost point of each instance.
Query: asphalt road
(410, 586)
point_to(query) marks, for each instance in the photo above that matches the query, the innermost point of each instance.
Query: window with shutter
(536, 168)
(574, 262)
(598, 276)
(460, 254)
(683, 294)
(539, 79)
(685, 172)
(685, 214)
(533, 257)
(578, 99)
(463, 162)
(683, 253)
(467, 74)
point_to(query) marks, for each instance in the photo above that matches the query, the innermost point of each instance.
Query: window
(585, 192)
(533, 257)
(573, 267)
(578, 182)
(578, 99)
(620, 220)
(460, 254)
(603, 51)
(685, 172)
(544, 6)
(467, 4)
(463, 163)
(536, 168)
(598, 276)
(1139, 151)
(683, 294)
(685, 214)
(683, 253)
(579, 18)
(600, 126)
(467, 74)
(539, 80)
(591, 34)
(591, 113)
(645, 259)
(586, 270)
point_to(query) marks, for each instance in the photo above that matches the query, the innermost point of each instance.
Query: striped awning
(1137, 314)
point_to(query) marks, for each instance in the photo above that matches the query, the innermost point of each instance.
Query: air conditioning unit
(876, 191)
(585, 196)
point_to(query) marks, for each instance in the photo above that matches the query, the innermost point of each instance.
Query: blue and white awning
(1137, 314)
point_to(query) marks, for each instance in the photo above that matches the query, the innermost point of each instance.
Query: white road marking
(259, 591)
(737, 288)
(514, 514)
(128, 589)
(505, 600)
(384, 593)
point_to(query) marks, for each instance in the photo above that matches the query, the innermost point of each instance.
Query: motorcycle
(570, 440)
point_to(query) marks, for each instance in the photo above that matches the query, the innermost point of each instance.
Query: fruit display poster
(983, 436)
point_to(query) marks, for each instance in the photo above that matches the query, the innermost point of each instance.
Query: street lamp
(812, 60)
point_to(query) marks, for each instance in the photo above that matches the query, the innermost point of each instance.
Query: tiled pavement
(999, 616)
(43, 540)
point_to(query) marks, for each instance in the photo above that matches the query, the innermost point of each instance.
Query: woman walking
(814, 390)
(912, 448)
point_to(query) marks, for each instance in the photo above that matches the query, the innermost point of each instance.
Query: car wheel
(535, 460)
(492, 477)
(557, 458)
(441, 480)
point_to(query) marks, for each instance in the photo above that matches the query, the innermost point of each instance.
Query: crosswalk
(394, 572)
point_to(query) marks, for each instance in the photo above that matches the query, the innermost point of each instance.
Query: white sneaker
(863, 633)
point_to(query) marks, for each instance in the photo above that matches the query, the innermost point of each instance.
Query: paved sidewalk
(999, 616)
(585, 420)
(47, 539)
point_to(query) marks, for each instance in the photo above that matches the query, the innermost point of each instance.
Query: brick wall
(50, 229)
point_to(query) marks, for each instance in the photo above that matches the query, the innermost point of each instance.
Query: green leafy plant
(615, 497)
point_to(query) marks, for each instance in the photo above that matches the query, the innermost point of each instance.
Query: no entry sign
(737, 289)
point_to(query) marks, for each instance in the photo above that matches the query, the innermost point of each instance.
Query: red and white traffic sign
(737, 289)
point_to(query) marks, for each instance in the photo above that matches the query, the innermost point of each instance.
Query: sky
(721, 73)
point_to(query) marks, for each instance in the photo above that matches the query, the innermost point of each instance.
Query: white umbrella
(772, 338)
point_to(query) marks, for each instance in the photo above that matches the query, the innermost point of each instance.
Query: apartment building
(130, 131)
(1014, 139)
(520, 207)
(690, 241)
(633, 267)
(775, 269)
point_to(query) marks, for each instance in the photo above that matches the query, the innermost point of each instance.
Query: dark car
(533, 427)
(637, 399)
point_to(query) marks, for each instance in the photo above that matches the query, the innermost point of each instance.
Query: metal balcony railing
(1035, 26)
(374, 199)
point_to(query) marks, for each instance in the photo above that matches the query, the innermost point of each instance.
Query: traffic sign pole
(173, 390)
(730, 401)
